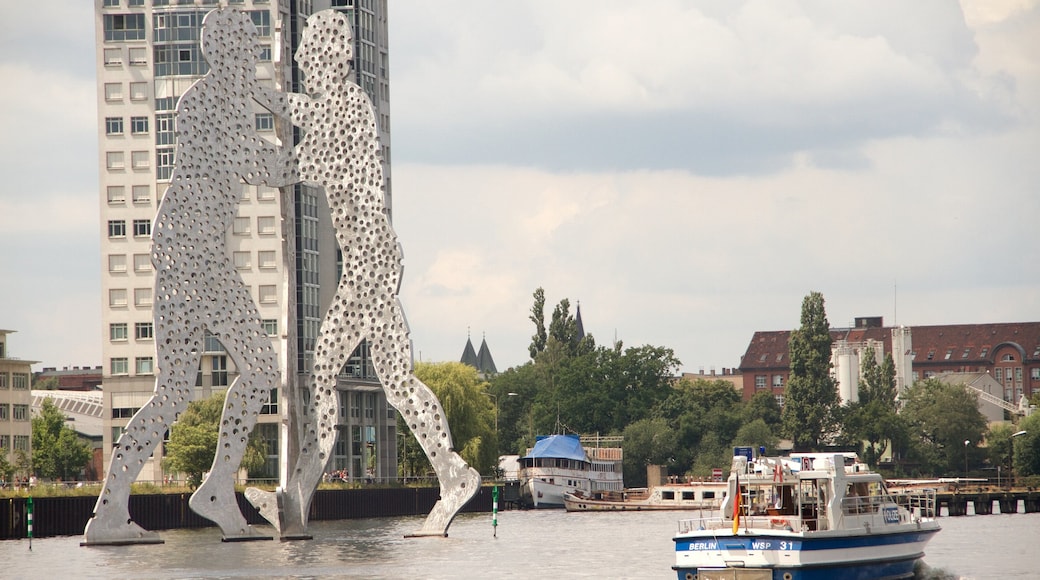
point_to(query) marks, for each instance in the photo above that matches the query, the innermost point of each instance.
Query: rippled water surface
(530, 544)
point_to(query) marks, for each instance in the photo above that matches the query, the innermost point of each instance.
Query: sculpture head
(326, 51)
(229, 41)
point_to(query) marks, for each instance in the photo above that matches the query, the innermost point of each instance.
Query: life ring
(779, 522)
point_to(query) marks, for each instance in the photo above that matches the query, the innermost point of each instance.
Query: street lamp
(1013, 436)
(966, 442)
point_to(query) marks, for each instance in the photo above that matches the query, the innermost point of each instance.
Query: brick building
(1009, 352)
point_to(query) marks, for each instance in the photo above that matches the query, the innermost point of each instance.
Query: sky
(686, 171)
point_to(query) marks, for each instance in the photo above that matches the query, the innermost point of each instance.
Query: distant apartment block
(15, 402)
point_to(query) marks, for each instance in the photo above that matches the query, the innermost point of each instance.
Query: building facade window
(113, 91)
(21, 443)
(3, 381)
(268, 294)
(220, 372)
(262, 21)
(4, 416)
(142, 296)
(143, 331)
(138, 56)
(113, 125)
(117, 263)
(113, 56)
(139, 159)
(370, 405)
(123, 27)
(266, 259)
(264, 122)
(165, 132)
(20, 381)
(355, 405)
(142, 228)
(760, 381)
(270, 326)
(142, 194)
(117, 297)
(778, 381)
(265, 225)
(144, 365)
(20, 412)
(116, 194)
(138, 125)
(116, 228)
(142, 262)
(119, 366)
(240, 227)
(115, 160)
(138, 91)
(164, 159)
(117, 331)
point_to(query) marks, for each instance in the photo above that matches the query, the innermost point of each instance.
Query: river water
(529, 544)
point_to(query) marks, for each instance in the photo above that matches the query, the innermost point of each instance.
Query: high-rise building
(281, 240)
(15, 404)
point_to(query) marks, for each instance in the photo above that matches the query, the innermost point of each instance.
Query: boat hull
(862, 556)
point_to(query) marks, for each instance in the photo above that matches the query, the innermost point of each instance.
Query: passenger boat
(811, 516)
(559, 464)
(670, 496)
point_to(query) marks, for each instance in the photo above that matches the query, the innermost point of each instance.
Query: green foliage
(998, 447)
(469, 410)
(811, 396)
(7, 468)
(875, 419)
(57, 452)
(940, 418)
(647, 442)
(47, 384)
(538, 318)
(1027, 446)
(194, 438)
(763, 405)
(706, 416)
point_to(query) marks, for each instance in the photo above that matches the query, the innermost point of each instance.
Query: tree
(1027, 446)
(706, 416)
(647, 442)
(57, 452)
(756, 434)
(194, 437)
(7, 469)
(998, 447)
(811, 395)
(763, 405)
(538, 318)
(874, 419)
(469, 410)
(940, 418)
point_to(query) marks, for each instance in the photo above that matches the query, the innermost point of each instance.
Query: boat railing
(919, 503)
(758, 523)
(858, 505)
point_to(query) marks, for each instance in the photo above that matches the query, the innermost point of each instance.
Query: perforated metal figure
(197, 288)
(340, 153)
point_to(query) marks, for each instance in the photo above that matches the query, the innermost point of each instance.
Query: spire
(469, 356)
(577, 322)
(485, 364)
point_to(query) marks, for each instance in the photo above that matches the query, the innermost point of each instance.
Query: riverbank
(66, 515)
